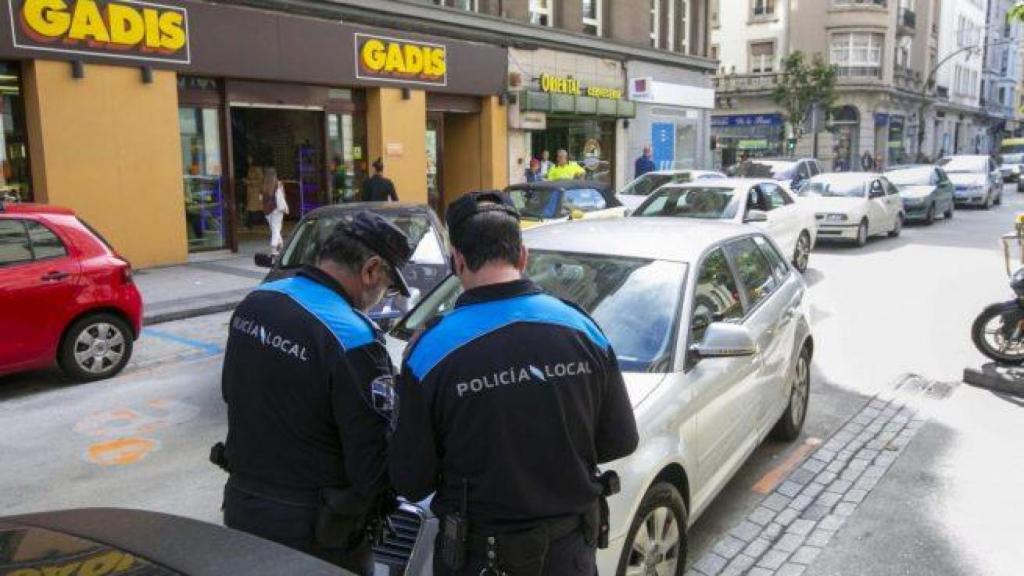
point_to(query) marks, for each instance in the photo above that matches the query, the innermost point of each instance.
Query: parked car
(561, 200)
(1011, 161)
(761, 202)
(712, 331)
(65, 295)
(427, 267)
(855, 206)
(977, 180)
(926, 191)
(634, 193)
(794, 172)
(102, 541)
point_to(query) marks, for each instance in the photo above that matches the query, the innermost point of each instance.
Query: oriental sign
(404, 61)
(124, 29)
(571, 86)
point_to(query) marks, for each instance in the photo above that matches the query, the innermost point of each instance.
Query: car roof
(971, 156)
(908, 167)
(672, 239)
(560, 185)
(675, 171)
(32, 208)
(377, 207)
(732, 182)
(845, 176)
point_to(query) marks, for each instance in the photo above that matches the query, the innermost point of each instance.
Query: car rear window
(97, 234)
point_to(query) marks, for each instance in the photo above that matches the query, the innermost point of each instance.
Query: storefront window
(203, 183)
(589, 142)
(344, 145)
(897, 152)
(15, 179)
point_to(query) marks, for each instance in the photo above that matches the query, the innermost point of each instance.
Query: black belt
(556, 530)
(301, 498)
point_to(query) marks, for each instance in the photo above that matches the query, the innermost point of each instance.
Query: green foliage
(802, 84)
(1016, 14)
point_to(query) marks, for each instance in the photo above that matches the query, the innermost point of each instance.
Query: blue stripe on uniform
(351, 328)
(468, 323)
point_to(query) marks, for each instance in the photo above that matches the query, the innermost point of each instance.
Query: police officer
(507, 405)
(308, 384)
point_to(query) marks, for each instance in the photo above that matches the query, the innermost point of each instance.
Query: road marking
(120, 451)
(774, 477)
(207, 347)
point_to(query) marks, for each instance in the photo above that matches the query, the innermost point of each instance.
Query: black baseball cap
(382, 237)
(473, 203)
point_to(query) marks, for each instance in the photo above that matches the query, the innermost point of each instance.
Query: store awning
(534, 101)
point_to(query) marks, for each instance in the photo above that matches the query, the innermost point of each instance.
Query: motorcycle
(998, 332)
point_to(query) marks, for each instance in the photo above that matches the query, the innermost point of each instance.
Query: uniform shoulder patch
(349, 327)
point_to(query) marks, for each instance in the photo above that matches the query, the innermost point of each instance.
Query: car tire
(792, 420)
(897, 227)
(988, 201)
(929, 218)
(948, 214)
(95, 347)
(1020, 185)
(802, 252)
(663, 503)
(999, 197)
(862, 233)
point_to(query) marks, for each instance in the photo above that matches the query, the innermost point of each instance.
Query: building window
(857, 54)
(655, 23)
(469, 5)
(680, 20)
(15, 179)
(592, 17)
(763, 8)
(714, 51)
(541, 12)
(762, 57)
(716, 8)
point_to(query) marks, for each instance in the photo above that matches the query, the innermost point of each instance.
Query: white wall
(974, 12)
(736, 32)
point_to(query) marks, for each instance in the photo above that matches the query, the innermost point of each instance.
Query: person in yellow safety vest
(565, 170)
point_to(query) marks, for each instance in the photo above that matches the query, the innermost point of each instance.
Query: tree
(1016, 14)
(802, 86)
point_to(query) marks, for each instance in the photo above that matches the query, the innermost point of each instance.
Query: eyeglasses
(393, 289)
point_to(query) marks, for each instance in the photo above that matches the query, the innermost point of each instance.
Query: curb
(172, 315)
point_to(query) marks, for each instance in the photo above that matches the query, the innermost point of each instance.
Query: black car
(794, 172)
(563, 200)
(101, 541)
(428, 266)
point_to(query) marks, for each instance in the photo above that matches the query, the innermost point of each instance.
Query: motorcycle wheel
(987, 332)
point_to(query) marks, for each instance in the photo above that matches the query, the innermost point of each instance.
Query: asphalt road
(948, 505)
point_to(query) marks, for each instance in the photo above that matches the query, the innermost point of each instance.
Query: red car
(65, 295)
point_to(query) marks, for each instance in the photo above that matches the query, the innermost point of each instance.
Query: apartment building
(884, 51)
(960, 122)
(1001, 74)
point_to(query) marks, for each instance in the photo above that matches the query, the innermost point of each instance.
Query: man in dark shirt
(644, 164)
(308, 384)
(507, 406)
(377, 188)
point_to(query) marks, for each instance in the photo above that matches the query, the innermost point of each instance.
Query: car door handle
(54, 276)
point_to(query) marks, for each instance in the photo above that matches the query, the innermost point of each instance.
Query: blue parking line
(204, 346)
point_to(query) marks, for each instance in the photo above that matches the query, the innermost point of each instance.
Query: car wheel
(897, 226)
(802, 253)
(988, 201)
(948, 214)
(657, 538)
(1020, 185)
(95, 347)
(999, 197)
(929, 218)
(862, 233)
(792, 421)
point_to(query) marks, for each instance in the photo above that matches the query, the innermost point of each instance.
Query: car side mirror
(263, 260)
(725, 340)
(754, 216)
(576, 214)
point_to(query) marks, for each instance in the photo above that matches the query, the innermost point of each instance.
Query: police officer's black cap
(473, 203)
(384, 238)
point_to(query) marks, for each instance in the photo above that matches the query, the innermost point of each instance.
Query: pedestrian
(545, 163)
(275, 206)
(564, 169)
(532, 173)
(378, 188)
(644, 164)
(507, 406)
(867, 162)
(253, 188)
(309, 392)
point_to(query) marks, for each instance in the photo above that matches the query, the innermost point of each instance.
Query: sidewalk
(209, 283)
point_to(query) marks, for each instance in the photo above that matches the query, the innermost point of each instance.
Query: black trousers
(290, 525)
(566, 556)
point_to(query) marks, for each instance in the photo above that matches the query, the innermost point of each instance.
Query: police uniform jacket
(308, 384)
(514, 397)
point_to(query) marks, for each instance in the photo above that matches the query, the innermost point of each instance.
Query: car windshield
(634, 301)
(835, 188)
(536, 203)
(650, 182)
(964, 164)
(304, 245)
(704, 202)
(911, 176)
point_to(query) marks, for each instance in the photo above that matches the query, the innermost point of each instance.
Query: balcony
(858, 73)
(942, 92)
(734, 83)
(843, 3)
(906, 21)
(906, 78)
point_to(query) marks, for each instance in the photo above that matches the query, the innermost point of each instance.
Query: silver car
(710, 326)
(976, 178)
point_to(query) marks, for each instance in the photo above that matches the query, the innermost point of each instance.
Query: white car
(634, 193)
(763, 203)
(711, 328)
(977, 180)
(855, 206)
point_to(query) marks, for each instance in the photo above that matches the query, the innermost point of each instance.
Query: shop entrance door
(205, 218)
(286, 143)
(435, 160)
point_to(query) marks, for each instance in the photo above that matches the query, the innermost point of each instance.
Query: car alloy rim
(99, 348)
(798, 397)
(656, 545)
(802, 252)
